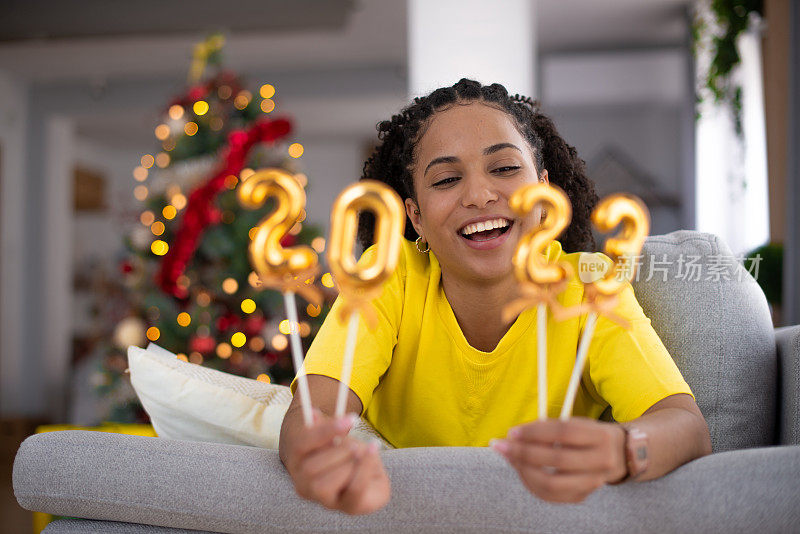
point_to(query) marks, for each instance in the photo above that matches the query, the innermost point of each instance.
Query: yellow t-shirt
(422, 384)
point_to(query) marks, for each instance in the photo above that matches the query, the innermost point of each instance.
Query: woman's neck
(478, 307)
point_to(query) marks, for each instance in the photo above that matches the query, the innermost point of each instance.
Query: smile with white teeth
(484, 226)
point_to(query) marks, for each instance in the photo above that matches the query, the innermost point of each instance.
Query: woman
(443, 368)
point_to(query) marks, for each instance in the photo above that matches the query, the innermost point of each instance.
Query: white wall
(631, 101)
(13, 131)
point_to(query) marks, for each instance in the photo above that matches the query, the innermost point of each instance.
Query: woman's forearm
(676, 433)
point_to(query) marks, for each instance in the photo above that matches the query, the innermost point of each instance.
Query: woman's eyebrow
(499, 146)
(442, 159)
(486, 151)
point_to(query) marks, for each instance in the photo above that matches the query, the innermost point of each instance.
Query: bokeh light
(230, 285)
(162, 159)
(267, 105)
(147, 161)
(284, 327)
(238, 339)
(224, 92)
(175, 112)
(159, 247)
(296, 150)
(200, 107)
(162, 132)
(248, 306)
(267, 91)
(263, 378)
(140, 174)
(242, 100)
(318, 244)
(147, 218)
(184, 319)
(305, 329)
(327, 280)
(231, 181)
(157, 228)
(203, 299)
(257, 343)
(279, 342)
(140, 192)
(179, 201)
(313, 310)
(153, 333)
(169, 212)
(224, 350)
(190, 128)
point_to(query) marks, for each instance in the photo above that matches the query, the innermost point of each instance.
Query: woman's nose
(478, 191)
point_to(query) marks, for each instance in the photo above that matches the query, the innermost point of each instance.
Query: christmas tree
(186, 274)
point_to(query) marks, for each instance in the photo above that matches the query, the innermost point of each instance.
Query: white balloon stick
(541, 359)
(297, 357)
(347, 364)
(577, 371)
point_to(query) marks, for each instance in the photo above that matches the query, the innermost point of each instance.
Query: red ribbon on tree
(200, 209)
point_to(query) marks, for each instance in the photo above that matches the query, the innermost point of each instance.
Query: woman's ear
(412, 210)
(543, 177)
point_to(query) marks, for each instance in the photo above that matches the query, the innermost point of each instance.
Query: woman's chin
(490, 269)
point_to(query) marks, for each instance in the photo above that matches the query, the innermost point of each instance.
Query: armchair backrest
(714, 319)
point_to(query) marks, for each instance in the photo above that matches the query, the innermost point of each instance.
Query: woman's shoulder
(410, 260)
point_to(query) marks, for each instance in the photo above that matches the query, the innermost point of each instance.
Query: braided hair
(392, 159)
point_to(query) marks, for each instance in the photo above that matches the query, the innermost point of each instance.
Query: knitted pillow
(195, 403)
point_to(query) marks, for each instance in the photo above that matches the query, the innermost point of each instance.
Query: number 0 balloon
(360, 283)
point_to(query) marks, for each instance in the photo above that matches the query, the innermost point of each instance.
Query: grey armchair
(745, 375)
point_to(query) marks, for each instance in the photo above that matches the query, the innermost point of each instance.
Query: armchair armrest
(788, 344)
(235, 489)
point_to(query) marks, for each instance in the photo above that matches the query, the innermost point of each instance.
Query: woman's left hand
(565, 461)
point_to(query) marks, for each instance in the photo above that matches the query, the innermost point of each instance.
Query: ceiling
(153, 39)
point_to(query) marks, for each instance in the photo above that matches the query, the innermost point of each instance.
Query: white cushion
(195, 403)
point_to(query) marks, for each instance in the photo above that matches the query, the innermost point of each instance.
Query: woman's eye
(506, 168)
(446, 181)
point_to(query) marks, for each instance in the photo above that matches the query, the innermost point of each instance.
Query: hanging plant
(729, 18)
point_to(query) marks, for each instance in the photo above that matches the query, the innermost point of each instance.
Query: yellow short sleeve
(374, 348)
(631, 369)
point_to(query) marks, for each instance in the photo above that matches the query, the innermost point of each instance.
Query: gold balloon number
(631, 213)
(267, 255)
(529, 258)
(390, 220)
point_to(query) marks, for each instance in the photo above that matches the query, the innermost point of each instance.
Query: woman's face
(468, 163)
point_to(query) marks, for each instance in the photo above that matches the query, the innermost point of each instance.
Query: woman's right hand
(340, 472)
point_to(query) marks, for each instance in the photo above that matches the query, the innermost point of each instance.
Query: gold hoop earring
(427, 245)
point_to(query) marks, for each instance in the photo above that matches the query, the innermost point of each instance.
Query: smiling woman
(443, 368)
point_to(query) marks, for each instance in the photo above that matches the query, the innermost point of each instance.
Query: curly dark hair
(392, 159)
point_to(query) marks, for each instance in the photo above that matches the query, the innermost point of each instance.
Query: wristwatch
(636, 453)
